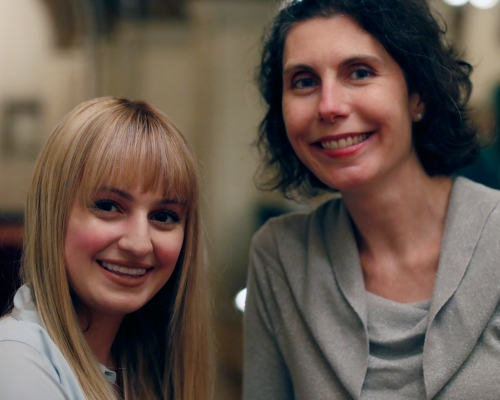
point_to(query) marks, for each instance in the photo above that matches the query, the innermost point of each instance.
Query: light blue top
(31, 365)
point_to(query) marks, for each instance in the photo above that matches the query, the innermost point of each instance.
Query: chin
(121, 307)
(350, 178)
(124, 309)
(346, 185)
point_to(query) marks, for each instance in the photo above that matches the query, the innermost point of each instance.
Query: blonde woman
(113, 303)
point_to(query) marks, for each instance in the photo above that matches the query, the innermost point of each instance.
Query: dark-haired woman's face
(346, 106)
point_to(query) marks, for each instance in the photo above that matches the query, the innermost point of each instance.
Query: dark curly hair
(445, 139)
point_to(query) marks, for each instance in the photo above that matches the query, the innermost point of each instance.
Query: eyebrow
(297, 66)
(361, 57)
(351, 60)
(129, 197)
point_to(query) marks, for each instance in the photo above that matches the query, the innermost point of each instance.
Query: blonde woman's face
(123, 248)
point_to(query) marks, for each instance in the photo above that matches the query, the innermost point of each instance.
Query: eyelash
(298, 79)
(170, 214)
(361, 68)
(99, 206)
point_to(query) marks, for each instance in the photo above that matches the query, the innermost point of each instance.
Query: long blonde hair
(163, 348)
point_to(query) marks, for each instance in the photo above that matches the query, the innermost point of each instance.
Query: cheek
(295, 117)
(168, 249)
(397, 95)
(300, 117)
(296, 131)
(84, 240)
(77, 239)
(76, 255)
(392, 119)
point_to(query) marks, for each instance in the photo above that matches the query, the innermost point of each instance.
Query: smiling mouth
(134, 272)
(344, 142)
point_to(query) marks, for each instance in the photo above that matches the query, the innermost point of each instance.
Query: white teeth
(344, 142)
(333, 145)
(123, 270)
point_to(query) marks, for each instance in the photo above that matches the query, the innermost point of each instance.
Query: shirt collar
(25, 310)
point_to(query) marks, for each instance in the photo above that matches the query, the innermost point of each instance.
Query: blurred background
(195, 60)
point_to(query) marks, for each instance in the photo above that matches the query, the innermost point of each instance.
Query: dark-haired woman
(391, 290)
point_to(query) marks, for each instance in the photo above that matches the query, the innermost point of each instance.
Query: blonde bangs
(135, 149)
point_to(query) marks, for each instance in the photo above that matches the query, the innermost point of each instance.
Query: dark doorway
(11, 237)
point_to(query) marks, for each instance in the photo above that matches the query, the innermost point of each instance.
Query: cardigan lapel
(350, 356)
(467, 282)
(345, 261)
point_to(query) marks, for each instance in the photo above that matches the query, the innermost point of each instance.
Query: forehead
(136, 177)
(328, 39)
(139, 194)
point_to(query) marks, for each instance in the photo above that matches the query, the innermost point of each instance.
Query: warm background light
(484, 4)
(240, 299)
(481, 4)
(456, 3)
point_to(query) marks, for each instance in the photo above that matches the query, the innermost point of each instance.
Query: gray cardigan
(306, 313)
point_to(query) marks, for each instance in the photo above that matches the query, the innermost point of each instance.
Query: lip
(126, 264)
(346, 151)
(124, 279)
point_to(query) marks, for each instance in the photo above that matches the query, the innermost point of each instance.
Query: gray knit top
(396, 332)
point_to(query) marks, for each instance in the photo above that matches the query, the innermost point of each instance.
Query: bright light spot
(239, 300)
(456, 3)
(484, 4)
(287, 3)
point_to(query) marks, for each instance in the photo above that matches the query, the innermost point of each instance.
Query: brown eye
(105, 205)
(166, 217)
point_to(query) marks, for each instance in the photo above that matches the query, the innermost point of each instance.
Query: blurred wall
(32, 68)
(481, 41)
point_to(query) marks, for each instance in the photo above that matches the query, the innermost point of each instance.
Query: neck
(399, 227)
(400, 212)
(100, 333)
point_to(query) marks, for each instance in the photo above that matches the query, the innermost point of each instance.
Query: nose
(136, 237)
(333, 104)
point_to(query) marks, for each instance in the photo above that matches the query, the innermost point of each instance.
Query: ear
(416, 107)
